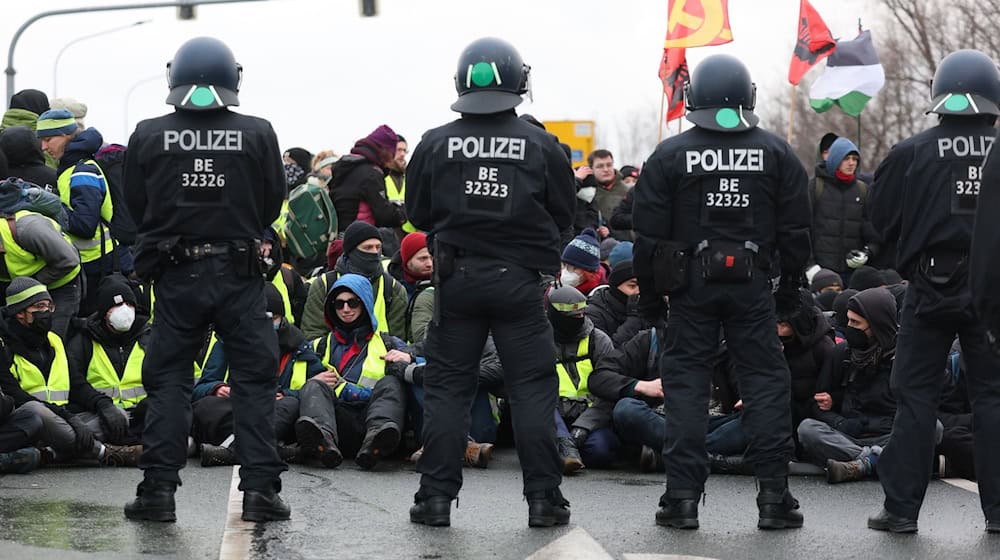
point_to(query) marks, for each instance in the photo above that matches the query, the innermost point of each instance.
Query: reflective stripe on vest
(392, 194)
(279, 225)
(90, 249)
(373, 368)
(279, 283)
(20, 262)
(56, 389)
(584, 367)
(378, 308)
(127, 391)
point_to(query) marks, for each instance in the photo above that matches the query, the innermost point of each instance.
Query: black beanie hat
(113, 291)
(866, 277)
(620, 273)
(357, 233)
(825, 300)
(275, 305)
(840, 307)
(824, 279)
(302, 157)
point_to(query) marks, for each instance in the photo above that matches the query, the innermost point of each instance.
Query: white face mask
(569, 278)
(121, 318)
(587, 194)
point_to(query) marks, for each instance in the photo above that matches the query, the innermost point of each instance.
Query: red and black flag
(673, 74)
(813, 44)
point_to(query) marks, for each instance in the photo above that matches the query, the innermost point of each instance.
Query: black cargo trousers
(189, 296)
(484, 295)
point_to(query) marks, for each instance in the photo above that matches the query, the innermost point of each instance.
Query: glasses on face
(353, 303)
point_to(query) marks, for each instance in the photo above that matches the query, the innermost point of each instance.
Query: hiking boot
(570, 455)
(678, 509)
(431, 509)
(847, 471)
(154, 501)
(886, 521)
(314, 440)
(729, 464)
(650, 460)
(217, 456)
(379, 442)
(777, 508)
(260, 505)
(478, 454)
(21, 461)
(547, 508)
(121, 455)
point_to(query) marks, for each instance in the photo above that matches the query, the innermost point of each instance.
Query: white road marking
(962, 483)
(575, 545)
(238, 534)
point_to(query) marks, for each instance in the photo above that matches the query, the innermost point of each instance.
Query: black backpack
(123, 228)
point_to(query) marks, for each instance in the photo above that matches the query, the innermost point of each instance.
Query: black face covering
(565, 327)
(365, 264)
(41, 321)
(856, 338)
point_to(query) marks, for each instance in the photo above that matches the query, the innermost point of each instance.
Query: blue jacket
(217, 366)
(86, 188)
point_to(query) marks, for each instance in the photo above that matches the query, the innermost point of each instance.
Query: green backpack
(312, 220)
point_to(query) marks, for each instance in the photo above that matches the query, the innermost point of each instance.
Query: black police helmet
(203, 75)
(720, 95)
(967, 82)
(491, 77)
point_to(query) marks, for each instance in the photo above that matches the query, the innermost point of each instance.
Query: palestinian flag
(853, 76)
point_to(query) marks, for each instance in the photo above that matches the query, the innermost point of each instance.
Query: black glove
(114, 422)
(84, 437)
(396, 369)
(632, 306)
(652, 309)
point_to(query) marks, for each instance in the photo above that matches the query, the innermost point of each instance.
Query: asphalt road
(348, 513)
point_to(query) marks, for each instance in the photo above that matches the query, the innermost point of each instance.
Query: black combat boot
(430, 508)
(650, 460)
(217, 456)
(778, 509)
(154, 501)
(570, 455)
(547, 508)
(679, 509)
(264, 505)
(379, 443)
(314, 440)
(886, 521)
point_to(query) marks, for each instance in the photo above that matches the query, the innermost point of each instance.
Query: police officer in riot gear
(494, 192)
(925, 196)
(720, 210)
(204, 183)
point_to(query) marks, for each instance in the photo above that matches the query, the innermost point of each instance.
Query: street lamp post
(88, 9)
(128, 97)
(55, 65)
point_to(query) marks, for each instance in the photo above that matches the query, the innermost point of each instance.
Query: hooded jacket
(85, 196)
(858, 379)
(312, 321)
(807, 350)
(25, 157)
(348, 348)
(611, 314)
(358, 193)
(840, 220)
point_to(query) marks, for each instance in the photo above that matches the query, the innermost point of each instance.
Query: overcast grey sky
(324, 76)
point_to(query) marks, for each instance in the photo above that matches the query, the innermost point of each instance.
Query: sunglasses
(353, 303)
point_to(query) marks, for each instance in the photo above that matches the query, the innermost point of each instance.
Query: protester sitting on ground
(583, 426)
(358, 184)
(213, 410)
(353, 408)
(362, 255)
(807, 342)
(581, 263)
(614, 308)
(413, 263)
(854, 405)
(107, 350)
(19, 429)
(840, 313)
(77, 419)
(25, 157)
(955, 452)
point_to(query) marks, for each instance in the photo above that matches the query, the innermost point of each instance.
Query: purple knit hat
(384, 138)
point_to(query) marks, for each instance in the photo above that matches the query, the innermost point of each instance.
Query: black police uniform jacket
(493, 185)
(204, 176)
(736, 186)
(926, 189)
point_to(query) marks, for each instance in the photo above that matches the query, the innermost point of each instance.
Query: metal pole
(55, 65)
(20, 30)
(128, 97)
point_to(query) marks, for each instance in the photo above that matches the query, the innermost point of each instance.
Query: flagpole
(859, 131)
(791, 115)
(659, 135)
